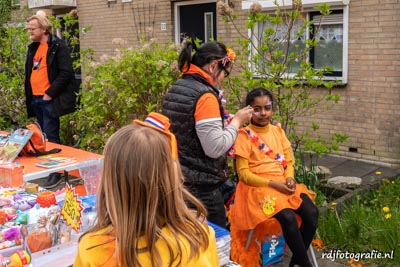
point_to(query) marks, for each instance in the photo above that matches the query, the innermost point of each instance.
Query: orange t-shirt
(207, 108)
(39, 77)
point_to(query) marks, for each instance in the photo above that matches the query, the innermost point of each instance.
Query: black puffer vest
(200, 171)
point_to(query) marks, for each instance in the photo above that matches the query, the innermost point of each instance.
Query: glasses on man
(31, 29)
(258, 109)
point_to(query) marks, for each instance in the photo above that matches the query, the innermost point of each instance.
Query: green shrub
(121, 88)
(5, 11)
(13, 41)
(311, 178)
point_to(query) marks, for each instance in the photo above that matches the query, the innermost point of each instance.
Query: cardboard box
(11, 175)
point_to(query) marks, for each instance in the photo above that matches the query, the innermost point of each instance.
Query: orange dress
(255, 202)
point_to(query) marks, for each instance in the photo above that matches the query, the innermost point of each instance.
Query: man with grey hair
(48, 81)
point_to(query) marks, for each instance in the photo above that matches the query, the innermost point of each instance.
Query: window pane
(296, 46)
(297, 43)
(329, 51)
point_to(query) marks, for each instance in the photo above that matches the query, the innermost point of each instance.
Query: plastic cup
(90, 171)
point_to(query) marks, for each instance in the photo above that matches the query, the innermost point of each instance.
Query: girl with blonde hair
(143, 219)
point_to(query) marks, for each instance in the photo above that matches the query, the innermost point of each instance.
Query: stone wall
(127, 21)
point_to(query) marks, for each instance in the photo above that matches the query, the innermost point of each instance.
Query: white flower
(161, 63)
(104, 58)
(118, 41)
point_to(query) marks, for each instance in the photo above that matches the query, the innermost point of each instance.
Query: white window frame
(206, 26)
(309, 6)
(270, 5)
(58, 30)
(345, 48)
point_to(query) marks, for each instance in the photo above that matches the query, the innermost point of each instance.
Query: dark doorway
(198, 21)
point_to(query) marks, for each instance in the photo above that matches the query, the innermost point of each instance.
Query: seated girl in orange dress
(268, 201)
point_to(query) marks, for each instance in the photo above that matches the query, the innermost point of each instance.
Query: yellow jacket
(96, 250)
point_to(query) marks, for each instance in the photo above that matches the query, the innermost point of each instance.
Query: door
(198, 21)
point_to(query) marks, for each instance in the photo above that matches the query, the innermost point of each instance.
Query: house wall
(374, 79)
(20, 14)
(110, 21)
(369, 107)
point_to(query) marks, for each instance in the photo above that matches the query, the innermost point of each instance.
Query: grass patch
(370, 222)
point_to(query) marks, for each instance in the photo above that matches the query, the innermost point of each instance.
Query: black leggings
(299, 239)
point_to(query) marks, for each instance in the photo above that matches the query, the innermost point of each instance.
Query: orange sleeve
(207, 108)
(289, 171)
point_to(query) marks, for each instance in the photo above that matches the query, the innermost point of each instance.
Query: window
(297, 42)
(331, 33)
(329, 51)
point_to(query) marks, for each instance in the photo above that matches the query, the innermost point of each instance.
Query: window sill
(268, 5)
(340, 84)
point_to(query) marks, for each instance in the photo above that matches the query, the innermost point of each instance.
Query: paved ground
(339, 167)
(347, 167)
(320, 261)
